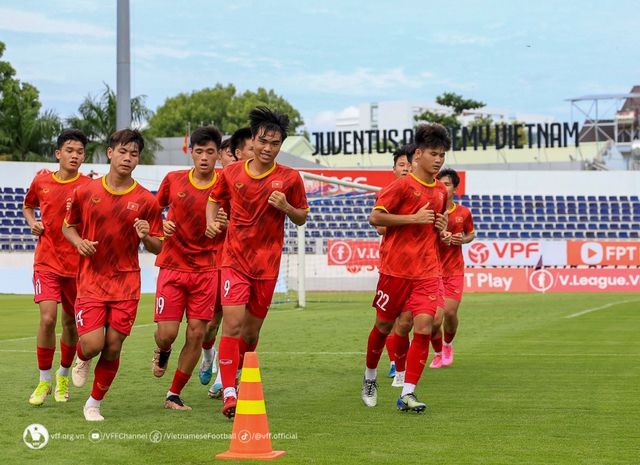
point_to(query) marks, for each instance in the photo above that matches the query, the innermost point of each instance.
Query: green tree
(97, 119)
(220, 105)
(456, 103)
(485, 121)
(26, 134)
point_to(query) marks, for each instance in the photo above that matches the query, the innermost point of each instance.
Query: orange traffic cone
(250, 438)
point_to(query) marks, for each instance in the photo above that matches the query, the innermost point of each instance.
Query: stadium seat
(535, 235)
(525, 235)
(601, 235)
(633, 235)
(579, 235)
(567, 235)
(546, 235)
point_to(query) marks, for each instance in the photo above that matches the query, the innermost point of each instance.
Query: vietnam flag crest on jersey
(133, 206)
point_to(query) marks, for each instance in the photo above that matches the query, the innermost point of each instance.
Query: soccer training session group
(218, 253)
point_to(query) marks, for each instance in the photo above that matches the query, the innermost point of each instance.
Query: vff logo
(541, 280)
(340, 252)
(591, 253)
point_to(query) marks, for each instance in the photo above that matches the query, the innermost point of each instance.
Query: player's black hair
(126, 137)
(399, 152)
(225, 143)
(453, 175)
(72, 134)
(239, 140)
(411, 150)
(432, 136)
(202, 136)
(267, 120)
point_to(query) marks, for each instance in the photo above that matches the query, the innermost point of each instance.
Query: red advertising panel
(603, 253)
(361, 253)
(379, 178)
(585, 280)
(495, 280)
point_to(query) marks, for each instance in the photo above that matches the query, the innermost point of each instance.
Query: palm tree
(98, 121)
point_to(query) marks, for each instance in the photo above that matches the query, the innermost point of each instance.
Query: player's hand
(441, 221)
(222, 219)
(278, 200)
(424, 215)
(37, 228)
(445, 236)
(169, 227)
(213, 229)
(142, 227)
(456, 239)
(87, 247)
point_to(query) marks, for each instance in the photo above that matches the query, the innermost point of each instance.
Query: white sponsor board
(515, 253)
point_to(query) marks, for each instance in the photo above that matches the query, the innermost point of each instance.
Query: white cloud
(23, 21)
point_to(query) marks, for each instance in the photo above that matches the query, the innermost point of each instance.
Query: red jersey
(460, 221)
(113, 272)
(255, 235)
(220, 238)
(411, 251)
(53, 252)
(188, 250)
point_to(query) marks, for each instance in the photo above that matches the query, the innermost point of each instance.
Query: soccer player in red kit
(115, 213)
(208, 363)
(411, 207)
(55, 263)
(188, 279)
(241, 145)
(262, 193)
(462, 232)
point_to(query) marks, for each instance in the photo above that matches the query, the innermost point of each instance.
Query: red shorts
(454, 287)
(217, 308)
(397, 295)
(440, 300)
(239, 289)
(92, 314)
(50, 286)
(177, 291)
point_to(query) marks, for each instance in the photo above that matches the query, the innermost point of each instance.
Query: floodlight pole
(123, 89)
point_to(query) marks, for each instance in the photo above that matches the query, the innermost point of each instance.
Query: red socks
(104, 375)
(390, 346)
(179, 381)
(79, 352)
(375, 344)
(228, 358)
(66, 354)
(417, 357)
(208, 345)
(436, 341)
(448, 337)
(400, 352)
(243, 348)
(45, 357)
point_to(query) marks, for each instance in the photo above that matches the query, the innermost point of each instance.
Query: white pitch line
(58, 335)
(602, 307)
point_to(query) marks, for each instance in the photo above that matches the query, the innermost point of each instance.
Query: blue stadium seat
(327, 233)
(535, 235)
(571, 198)
(557, 235)
(624, 226)
(481, 234)
(516, 226)
(633, 235)
(503, 235)
(567, 235)
(579, 235)
(612, 235)
(603, 226)
(340, 234)
(548, 226)
(373, 235)
(623, 235)
(546, 235)
(601, 235)
(492, 235)
(505, 226)
(528, 227)
(517, 197)
(513, 235)
(525, 235)
(350, 234)
(591, 198)
(559, 226)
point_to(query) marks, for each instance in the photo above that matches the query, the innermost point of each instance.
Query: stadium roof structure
(604, 97)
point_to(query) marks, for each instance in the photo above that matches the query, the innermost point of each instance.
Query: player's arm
(211, 212)
(85, 246)
(381, 217)
(152, 244)
(37, 227)
(298, 216)
(381, 230)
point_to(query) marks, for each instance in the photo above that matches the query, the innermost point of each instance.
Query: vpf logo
(478, 253)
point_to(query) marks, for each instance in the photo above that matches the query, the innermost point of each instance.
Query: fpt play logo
(591, 253)
(479, 253)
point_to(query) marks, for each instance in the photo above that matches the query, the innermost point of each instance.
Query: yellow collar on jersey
(111, 191)
(422, 182)
(264, 175)
(57, 179)
(208, 186)
(454, 207)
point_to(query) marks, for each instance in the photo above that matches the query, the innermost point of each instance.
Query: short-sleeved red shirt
(107, 217)
(255, 235)
(188, 249)
(411, 251)
(53, 252)
(460, 221)
(220, 238)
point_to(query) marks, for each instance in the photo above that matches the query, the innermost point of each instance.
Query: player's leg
(436, 337)
(45, 350)
(403, 326)
(91, 319)
(209, 354)
(389, 344)
(229, 354)
(121, 316)
(170, 303)
(454, 288)
(68, 339)
(257, 309)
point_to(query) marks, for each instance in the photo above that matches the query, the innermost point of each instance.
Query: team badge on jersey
(417, 193)
(45, 190)
(181, 195)
(239, 185)
(459, 219)
(95, 199)
(276, 184)
(133, 206)
(441, 196)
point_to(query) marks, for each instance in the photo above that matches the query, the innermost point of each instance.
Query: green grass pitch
(528, 385)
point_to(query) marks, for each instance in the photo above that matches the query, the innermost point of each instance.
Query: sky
(327, 57)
